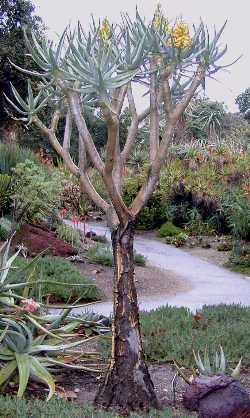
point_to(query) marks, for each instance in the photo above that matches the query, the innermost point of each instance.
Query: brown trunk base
(127, 385)
(128, 391)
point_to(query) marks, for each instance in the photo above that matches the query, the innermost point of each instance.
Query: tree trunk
(127, 385)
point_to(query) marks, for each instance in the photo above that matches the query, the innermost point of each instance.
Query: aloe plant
(99, 68)
(219, 365)
(29, 356)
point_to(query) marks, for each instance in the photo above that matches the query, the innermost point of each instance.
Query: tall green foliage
(36, 191)
(14, 15)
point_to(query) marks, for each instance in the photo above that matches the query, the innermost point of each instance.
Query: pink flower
(29, 305)
(75, 220)
(63, 213)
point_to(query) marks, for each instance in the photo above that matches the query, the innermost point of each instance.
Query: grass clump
(102, 254)
(169, 230)
(16, 408)
(63, 278)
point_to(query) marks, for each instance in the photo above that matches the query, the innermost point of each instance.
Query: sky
(57, 14)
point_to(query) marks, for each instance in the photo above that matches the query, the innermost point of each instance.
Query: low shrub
(36, 191)
(178, 240)
(140, 260)
(240, 260)
(11, 155)
(5, 191)
(154, 213)
(69, 234)
(169, 230)
(58, 408)
(58, 272)
(173, 333)
(102, 254)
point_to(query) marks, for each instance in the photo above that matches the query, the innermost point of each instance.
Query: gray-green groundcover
(16, 408)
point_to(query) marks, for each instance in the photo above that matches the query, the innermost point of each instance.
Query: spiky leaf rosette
(108, 57)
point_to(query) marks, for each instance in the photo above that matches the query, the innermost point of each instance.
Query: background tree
(100, 68)
(205, 119)
(14, 15)
(243, 101)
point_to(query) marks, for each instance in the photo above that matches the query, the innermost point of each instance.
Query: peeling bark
(127, 385)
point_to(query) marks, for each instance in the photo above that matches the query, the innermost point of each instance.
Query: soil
(150, 281)
(82, 387)
(220, 258)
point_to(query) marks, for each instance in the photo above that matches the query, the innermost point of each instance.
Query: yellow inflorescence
(104, 31)
(180, 35)
(160, 21)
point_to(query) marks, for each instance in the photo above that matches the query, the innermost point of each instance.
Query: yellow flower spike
(159, 20)
(180, 35)
(104, 31)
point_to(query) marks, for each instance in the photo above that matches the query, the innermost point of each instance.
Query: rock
(217, 397)
(90, 234)
(37, 238)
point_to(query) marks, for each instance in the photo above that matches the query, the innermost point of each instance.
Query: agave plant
(206, 368)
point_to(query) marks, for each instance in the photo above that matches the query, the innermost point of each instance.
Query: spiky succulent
(109, 56)
(219, 365)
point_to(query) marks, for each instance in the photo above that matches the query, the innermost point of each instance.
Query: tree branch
(154, 133)
(166, 91)
(133, 129)
(75, 107)
(55, 120)
(67, 131)
(57, 146)
(155, 167)
(113, 167)
(181, 106)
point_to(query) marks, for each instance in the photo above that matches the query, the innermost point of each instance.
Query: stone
(37, 238)
(217, 396)
(90, 234)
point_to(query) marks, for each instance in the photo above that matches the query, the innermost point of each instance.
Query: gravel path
(208, 283)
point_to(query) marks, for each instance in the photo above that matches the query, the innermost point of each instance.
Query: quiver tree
(101, 69)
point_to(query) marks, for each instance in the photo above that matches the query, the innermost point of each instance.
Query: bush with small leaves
(169, 230)
(62, 280)
(102, 254)
(36, 192)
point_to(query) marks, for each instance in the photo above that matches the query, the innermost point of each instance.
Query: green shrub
(140, 260)
(173, 333)
(69, 234)
(102, 254)
(169, 230)
(238, 215)
(240, 259)
(58, 271)
(16, 408)
(154, 213)
(36, 191)
(5, 228)
(5, 190)
(11, 155)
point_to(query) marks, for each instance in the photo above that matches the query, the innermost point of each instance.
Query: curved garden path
(210, 284)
